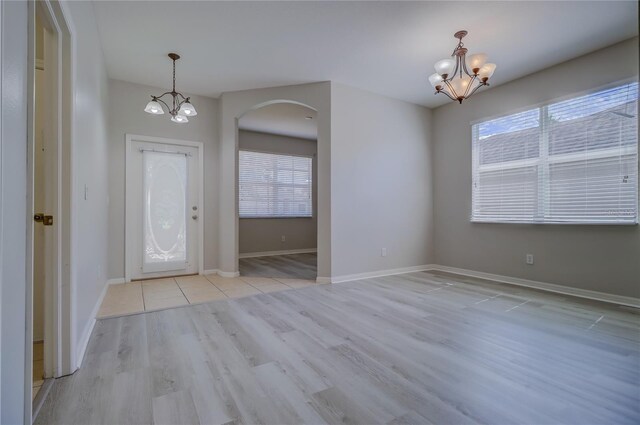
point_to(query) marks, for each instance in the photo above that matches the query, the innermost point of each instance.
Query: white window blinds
(574, 161)
(274, 185)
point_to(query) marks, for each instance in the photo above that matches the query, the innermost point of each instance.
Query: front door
(163, 209)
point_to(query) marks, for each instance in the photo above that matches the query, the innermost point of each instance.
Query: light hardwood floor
(300, 266)
(415, 348)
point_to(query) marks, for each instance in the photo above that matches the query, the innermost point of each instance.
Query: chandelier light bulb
(445, 67)
(180, 119)
(476, 61)
(487, 71)
(187, 109)
(436, 80)
(154, 108)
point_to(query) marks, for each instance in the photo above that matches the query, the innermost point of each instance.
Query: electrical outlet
(529, 258)
(282, 238)
(383, 252)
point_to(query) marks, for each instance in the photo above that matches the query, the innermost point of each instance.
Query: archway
(277, 202)
(233, 106)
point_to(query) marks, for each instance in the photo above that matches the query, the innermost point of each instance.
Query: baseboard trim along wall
(549, 287)
(88, 329)
(271, 253)
(378, 273)
(115, 281)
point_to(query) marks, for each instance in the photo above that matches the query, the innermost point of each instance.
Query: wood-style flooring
(424, 347)
(300, 266)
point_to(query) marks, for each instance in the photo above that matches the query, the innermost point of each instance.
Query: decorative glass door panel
(164, 211)
(163, 226)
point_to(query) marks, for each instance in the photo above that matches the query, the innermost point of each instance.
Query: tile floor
(38, 368)
(158, 294)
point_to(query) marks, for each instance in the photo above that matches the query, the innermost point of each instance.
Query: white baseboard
(323, 279)
(115, 281)
(210, 271)
(271, 253)
(378, 273)
(86, 333)
(549, 287)
(228, 274)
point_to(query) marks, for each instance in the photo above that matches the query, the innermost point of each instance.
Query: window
(574, 161)
(274, 185)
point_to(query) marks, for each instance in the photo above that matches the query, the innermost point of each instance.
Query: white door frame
(129, 213)
(59, 312)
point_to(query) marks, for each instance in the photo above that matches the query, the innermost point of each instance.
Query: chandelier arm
(466, 92)
(446, 94)
(453, 92)
(476, 89)
(163, 94)
(164, 103)
(464, 66)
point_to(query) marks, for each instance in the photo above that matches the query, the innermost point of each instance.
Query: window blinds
(274, 185)
(574, 161)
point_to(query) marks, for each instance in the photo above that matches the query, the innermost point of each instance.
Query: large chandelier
(180, 108)
(452, 76)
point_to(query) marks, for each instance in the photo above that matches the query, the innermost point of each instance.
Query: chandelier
(452, 76)
(180, 108)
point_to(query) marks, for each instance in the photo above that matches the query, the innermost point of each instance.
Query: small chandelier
(452, 76)
(180, 108)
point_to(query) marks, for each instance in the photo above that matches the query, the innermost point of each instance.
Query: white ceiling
(384, 47)
(287, 119)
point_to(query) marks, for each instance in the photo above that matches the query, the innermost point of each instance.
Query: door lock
(47, 220)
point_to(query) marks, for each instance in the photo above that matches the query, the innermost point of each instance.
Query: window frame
(543, 166)
(276, 217)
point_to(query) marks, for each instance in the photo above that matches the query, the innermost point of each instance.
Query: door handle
(47, 220)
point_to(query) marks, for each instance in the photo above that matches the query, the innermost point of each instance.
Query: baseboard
(271, 253)
(549, 287)
(210, 271)
(228, 274)
(86, 334)
(378, 273)
(115, 281)
(323, 279)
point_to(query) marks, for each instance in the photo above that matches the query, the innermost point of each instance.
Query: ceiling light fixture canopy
(181, 106)
(452, 76)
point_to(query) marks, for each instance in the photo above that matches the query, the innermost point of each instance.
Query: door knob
(47, 220)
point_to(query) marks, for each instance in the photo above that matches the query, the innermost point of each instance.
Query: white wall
(265, 234)
(599, 258)
(126, 115)
(90, 170)
(381, 179)
(13, 211)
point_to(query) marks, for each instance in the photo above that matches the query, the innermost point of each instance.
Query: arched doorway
(277, 202)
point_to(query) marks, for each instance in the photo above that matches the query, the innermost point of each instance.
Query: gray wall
(599, 258)
(126, 115)
(381, 180)
(265, 234)
(89, 170)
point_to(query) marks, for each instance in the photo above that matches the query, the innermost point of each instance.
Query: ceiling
(384, 47)
(286, 119)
